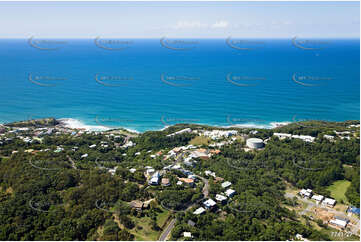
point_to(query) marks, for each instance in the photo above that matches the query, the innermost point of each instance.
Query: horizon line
(205, 38)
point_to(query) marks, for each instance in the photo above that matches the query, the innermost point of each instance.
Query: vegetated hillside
(46, 197)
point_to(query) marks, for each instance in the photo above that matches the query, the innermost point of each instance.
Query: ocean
(149, 84)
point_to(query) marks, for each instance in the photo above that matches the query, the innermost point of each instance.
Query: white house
(187, 234)
(226, 184)
(329, 202)
(209, 203)
(282, 135)
(339, 222)
(154, 180)
(220, 198)
(318, 198)
(199, 211)
(230, 192)
(150, 171)
(210, 173)
(329, 137)
(306, 193)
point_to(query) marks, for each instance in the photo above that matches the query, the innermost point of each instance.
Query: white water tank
(255, 143)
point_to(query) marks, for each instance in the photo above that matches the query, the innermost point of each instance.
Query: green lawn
(162, 217)
(145, 232)
(338, 189)
(200, 140)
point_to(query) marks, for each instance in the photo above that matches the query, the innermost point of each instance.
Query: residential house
(187, 234)
(226, 184)
(150, 171)
(188, 181)
(199, 211)
(329, 202)
(209, 204)
(136, 204)
(191, 223)
(218, 179)
(339, 222)
(306, 193)
(318, 198)
(165, 182)
(353, 210)
(221, 199)
(210, 173)
(230, 193)
(154, 180)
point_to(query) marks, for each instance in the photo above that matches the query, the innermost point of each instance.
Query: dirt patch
(323, 214)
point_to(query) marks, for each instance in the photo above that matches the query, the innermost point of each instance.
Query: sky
(179, 19)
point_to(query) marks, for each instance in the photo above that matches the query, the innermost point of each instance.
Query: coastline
(80, 124)
(77, 124)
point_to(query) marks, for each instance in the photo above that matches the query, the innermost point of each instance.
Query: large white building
(255, 143)
(154, 180)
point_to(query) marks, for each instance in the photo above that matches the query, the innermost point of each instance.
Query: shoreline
(78, 124)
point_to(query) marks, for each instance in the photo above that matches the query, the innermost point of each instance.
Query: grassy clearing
(200, 140)
(338, 190)
(143, 230)
(162, 217)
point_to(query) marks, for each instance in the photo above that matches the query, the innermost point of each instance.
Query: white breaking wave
(271, 125)
(77, 124)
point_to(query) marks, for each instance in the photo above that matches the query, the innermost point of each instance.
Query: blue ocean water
(147, 84)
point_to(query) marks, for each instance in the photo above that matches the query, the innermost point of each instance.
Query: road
(170, 226)
(205, 192)
(167, 231)
(206, 186)
(72, 162)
